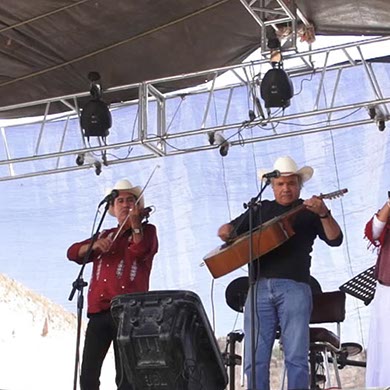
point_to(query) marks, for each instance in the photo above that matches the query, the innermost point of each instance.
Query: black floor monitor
(166, 342)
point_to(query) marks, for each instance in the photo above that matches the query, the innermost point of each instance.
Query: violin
(147, 211)
(145, 214)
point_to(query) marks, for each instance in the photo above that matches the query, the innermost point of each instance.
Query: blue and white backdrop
(194, 194)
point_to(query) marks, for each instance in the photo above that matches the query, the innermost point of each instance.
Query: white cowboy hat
(287, 167)
(125, 185)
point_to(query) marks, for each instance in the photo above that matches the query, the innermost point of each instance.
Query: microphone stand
(79, 285)
(252, 279)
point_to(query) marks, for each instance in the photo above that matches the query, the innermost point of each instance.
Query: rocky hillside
(37, 342)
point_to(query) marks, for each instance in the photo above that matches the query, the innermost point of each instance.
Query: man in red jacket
(121, 264)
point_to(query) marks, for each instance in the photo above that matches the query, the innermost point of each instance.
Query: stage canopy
(49, 47)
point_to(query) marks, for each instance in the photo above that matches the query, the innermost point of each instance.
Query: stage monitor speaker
(166, 343)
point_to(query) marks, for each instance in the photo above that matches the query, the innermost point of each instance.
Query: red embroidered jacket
(124, 269)
(382, 266)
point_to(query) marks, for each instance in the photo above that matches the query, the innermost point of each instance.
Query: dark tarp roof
(49, 47)
(347, 17)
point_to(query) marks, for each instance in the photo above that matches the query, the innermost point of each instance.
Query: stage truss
(152, 133)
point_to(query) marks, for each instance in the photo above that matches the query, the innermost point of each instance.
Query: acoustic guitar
(266, 237)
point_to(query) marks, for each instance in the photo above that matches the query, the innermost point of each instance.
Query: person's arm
(135, 221)
(317, 206)
(78, 250)
(229, 231)
(377, 227)
(384, 213)
(374, 230)
(147, 246)
(225, 232)
(331, 227)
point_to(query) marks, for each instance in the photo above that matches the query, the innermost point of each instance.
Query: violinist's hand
(225, 232)
(102, 245)
(135, 217)
(316, 205)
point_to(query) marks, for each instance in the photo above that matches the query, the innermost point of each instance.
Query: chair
(325, 346)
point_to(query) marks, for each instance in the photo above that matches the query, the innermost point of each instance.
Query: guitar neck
(333, 195)
(330, 195)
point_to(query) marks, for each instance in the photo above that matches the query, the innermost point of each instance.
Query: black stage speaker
(276, 88)
(166, 342)
(96, 119)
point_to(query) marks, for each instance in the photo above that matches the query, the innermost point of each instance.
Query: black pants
(101, 331)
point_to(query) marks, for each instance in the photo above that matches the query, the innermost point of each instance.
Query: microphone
(110, 197)
(271, 175)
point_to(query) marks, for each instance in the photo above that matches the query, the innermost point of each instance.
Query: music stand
(362, 286)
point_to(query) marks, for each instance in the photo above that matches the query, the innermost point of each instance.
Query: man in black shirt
(282, 292)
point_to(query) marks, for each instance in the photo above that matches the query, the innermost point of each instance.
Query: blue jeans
(288, 304)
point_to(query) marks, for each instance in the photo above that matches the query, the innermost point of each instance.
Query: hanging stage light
(276, 87)
(95, 119)
(375, 112)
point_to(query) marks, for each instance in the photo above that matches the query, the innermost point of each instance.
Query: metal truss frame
(154, 136)
(273, 13)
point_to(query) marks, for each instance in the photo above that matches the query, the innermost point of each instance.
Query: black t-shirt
(290, 260)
